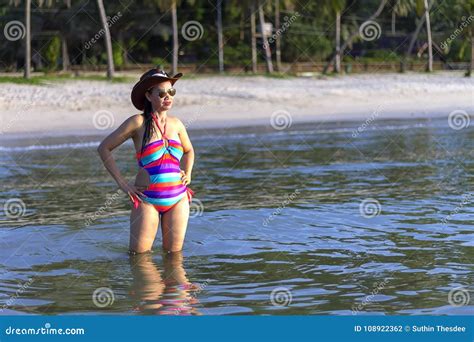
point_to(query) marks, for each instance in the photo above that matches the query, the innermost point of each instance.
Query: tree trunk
(65, 54)
(471, 67)
(220, 40)
(278, 38)
(253, 37)
(394, 16)
(413, 39)
(108, 39)
(428, 33)
(27, 71)
(337, 65)
(266, 46)
(354, 34)
(174, 19)
(242, 26)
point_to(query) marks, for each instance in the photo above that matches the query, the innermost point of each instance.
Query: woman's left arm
(188, 157)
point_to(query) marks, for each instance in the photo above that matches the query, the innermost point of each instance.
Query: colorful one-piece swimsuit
(162, 164)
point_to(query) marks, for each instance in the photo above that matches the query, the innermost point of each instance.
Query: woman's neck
(161, 116)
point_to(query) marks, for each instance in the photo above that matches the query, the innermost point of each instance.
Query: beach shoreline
(97, 107)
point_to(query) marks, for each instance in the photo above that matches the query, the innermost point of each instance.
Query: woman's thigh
(174, 223)
(143, 226)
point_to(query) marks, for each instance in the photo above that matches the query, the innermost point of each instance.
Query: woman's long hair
(149, 127)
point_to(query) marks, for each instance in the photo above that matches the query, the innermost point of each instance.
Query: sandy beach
(92, 107)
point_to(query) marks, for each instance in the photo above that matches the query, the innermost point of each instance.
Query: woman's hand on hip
(185, 178)
(133, 192)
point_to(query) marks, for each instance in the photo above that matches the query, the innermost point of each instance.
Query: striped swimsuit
(162, 164)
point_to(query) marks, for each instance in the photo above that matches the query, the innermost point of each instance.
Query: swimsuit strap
(163, 134)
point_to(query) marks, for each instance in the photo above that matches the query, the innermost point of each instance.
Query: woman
(160, 192)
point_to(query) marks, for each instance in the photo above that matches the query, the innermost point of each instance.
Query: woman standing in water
(160, 192)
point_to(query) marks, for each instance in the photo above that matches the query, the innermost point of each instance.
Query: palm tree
(470, 69)
(266, 46)
(288, 5)
(428, 33)
(277, 40)
(413, 39)
(172, 5)
(330, 8)
(354, 35)
(250, 5)
(108, 39)
(64, 50)
(253, 36)
(165, 5)
(220, 40)
(27, 67)
(174, 23)
(469, 6)
(423, 10)
(401, 8)
(27, 71)
(463, 9)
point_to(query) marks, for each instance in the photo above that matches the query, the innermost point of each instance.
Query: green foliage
(236, 55)
(52, 54)
(305, 47)
(144, 30)
(160, 63)
(46, 79)
(382, 55)
(117, 55)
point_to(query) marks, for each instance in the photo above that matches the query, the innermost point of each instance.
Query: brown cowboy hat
(148, 80)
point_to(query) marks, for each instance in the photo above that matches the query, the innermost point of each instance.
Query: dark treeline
(223, 34)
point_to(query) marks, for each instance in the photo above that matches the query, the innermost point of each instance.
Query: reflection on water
(310, 220)
(169, 293)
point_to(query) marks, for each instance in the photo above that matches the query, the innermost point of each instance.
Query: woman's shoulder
(175, 121)
(136, 120)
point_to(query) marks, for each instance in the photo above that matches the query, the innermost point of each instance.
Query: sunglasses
(163, 92)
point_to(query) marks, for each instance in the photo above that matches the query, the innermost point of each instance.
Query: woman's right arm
(126, 130)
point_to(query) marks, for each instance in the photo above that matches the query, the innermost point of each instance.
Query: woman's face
(160, 104)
